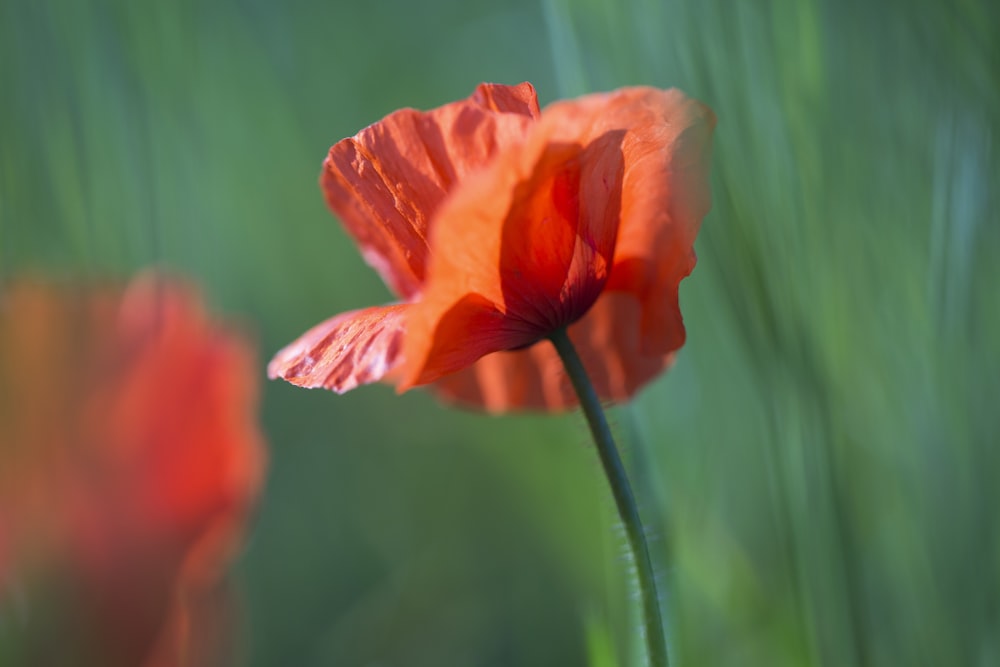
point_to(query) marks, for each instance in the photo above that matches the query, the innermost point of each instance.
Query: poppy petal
(532, 378)
(386, 182)
(665, 195)
(608, 341)
(531, 238)
(354, 348)
(520, 99)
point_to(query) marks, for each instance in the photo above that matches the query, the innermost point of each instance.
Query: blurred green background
(820, 472)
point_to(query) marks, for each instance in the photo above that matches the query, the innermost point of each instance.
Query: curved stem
(624, 499)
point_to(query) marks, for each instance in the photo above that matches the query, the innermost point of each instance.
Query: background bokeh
(820, 472)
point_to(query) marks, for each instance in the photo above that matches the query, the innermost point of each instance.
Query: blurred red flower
(497, 224)
(130, 458)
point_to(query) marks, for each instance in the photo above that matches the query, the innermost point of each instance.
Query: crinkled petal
(520, 99)
(386, 182)
(530, 240)
(608, 341)
(354, 348)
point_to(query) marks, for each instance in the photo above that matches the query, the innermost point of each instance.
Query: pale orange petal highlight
(351, 349)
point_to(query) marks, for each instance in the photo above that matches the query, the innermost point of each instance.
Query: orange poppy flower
(497, 224)
(130, 458)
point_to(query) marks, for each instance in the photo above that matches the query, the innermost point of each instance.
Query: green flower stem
(624, 499)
